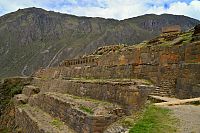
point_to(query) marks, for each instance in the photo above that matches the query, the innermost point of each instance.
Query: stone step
(81, 114)
(162, 89)
(162, 99)
(165, 88)
(179, 102)
(163, 92)
(160, 93)
(33, 120)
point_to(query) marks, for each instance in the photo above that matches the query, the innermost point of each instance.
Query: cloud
(117, 9)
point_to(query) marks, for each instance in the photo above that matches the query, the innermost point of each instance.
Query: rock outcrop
(197, 29)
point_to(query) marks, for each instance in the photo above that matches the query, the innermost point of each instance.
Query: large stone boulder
(30, 90)
(20, 99)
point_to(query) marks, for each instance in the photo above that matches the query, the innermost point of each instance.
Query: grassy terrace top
(167, 40)
(122, 81)
(164, 40)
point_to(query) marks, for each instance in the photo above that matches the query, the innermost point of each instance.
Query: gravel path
(189, 116)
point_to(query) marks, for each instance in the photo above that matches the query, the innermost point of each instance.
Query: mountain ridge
(33, 37)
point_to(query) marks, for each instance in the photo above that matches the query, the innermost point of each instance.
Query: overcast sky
(117, 9)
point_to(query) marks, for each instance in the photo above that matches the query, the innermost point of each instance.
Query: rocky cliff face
(33, 38)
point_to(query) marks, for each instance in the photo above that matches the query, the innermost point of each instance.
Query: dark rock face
(33, 38)
(196, 35)
(197, 29)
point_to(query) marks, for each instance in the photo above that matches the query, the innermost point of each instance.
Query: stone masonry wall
(129, 95)
(160, 64)
(188, 83)
(67, 112)
(27, 125)
(122, 71)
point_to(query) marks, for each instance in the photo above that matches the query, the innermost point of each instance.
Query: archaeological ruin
(89, 94)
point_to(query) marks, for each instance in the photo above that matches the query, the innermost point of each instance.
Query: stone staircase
(165, 90)
(53, 111)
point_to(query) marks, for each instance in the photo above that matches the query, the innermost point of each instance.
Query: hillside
(32, 38)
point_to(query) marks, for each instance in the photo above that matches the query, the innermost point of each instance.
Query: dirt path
(189, 116)
(54, 57)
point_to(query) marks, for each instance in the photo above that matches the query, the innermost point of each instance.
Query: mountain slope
(32, 38)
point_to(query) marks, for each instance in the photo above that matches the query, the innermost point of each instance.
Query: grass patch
(128, 122)
(23, 105)
(195, 103)
(5, 130)
(155, 120)
(141, 45)
(187, 38)
(86, 109)
(16, 90)
(166, 44)
(56, 123)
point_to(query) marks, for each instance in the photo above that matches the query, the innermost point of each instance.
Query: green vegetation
(141, 45)
(86, 109)
(24, 106)
(166, 44)
(187, 37)
(195, 103)
(15, 89)
(128, 121)
(56, 123)
(8, 92)
(154, 120)
(5, 130)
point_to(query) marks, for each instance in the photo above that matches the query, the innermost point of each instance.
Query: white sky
(117, 9)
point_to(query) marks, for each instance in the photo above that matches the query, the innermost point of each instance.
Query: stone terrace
(171, 62)
(87, 95)
(78, 105)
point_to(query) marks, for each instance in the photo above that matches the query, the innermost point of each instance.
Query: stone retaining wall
(188, 83)
(25, 121)
(129, 95)
(160, 64)
(67, 112)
